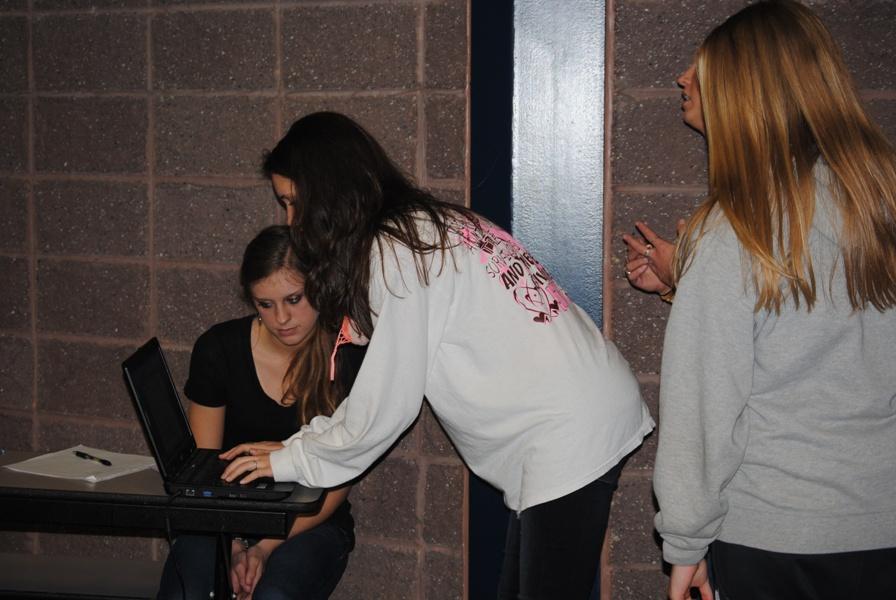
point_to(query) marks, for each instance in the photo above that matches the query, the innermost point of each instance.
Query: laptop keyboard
(207, 468)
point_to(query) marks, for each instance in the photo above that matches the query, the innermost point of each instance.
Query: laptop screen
(159, 406)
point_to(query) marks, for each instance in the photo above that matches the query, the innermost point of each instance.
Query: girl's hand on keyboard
(251, 449)
(252, 466)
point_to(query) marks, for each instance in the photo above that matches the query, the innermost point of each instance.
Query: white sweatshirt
(535, 400)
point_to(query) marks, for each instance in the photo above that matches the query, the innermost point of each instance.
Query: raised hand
(649, 266)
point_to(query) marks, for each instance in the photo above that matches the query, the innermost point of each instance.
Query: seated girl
(247, 382)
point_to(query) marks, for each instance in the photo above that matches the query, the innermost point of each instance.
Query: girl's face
(285, 312)
(285, 191)
(690, 99)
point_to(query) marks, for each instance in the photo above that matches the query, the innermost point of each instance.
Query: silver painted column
(558, 137)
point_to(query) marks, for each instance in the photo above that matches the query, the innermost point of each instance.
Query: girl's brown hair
(308, 374)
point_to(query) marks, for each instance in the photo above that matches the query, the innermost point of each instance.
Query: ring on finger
(628, 273)
(255, 467)
(648, 250)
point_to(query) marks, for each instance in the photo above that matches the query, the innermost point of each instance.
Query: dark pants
(306, 566)
(743, 573)
(553, 549)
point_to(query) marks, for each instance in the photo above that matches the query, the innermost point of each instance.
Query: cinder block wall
(131, 133)
(658, 174)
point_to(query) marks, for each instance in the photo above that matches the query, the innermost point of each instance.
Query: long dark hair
(348, 195)
(309, 385)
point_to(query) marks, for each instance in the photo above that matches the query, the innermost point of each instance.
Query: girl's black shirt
(222, 373)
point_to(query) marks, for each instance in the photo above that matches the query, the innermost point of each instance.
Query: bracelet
(668, 296)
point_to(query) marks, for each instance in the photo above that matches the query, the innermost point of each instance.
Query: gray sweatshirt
(777, 431)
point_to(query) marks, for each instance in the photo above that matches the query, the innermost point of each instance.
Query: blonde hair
(776, 97)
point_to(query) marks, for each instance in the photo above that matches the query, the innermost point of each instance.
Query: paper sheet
(65, 464)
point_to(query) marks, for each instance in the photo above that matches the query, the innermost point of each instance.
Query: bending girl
(534, 399)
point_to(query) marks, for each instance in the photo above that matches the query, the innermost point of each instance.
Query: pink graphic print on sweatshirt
(508, 262)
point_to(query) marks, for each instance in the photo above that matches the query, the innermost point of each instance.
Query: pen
(86, 456)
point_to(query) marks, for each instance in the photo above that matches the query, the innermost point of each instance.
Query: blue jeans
(306, 566)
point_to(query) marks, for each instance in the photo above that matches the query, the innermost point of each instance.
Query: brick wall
(658, 174)
(132, 132)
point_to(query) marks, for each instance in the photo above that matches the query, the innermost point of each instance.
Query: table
(137, 503)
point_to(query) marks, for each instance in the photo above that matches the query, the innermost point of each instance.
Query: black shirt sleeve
(222, 374)
(206, 381)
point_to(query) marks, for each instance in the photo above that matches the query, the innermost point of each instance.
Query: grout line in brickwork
(225, 93)
(198, 8)
(8, 411)
(422, 176)
(638, 567)
(348, 95)
(609, 70)
(207, 93)
(93, 259)
(468, 157)
(619, 285)
(649, 93)
(344, 3)
(623, 188)
(128, 424)
(635, 475)
(212, 267)
(19, 334)
(423, 180)
(161, 263)
(443, 93)
(236, 181)
(868, 95)
(173, 93)
(149, 10)
(438, 461)
(465, 534)
(153, 316)
(448, 184)
(420, 507)
(608, 298)
(444, 550)
(31, 234)
(99, 177)
(280, 103)
(95, 340)
(349, 3)
(78, 95)
(386, 543)
(648, 378)
(171, 345)
(605, 574)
